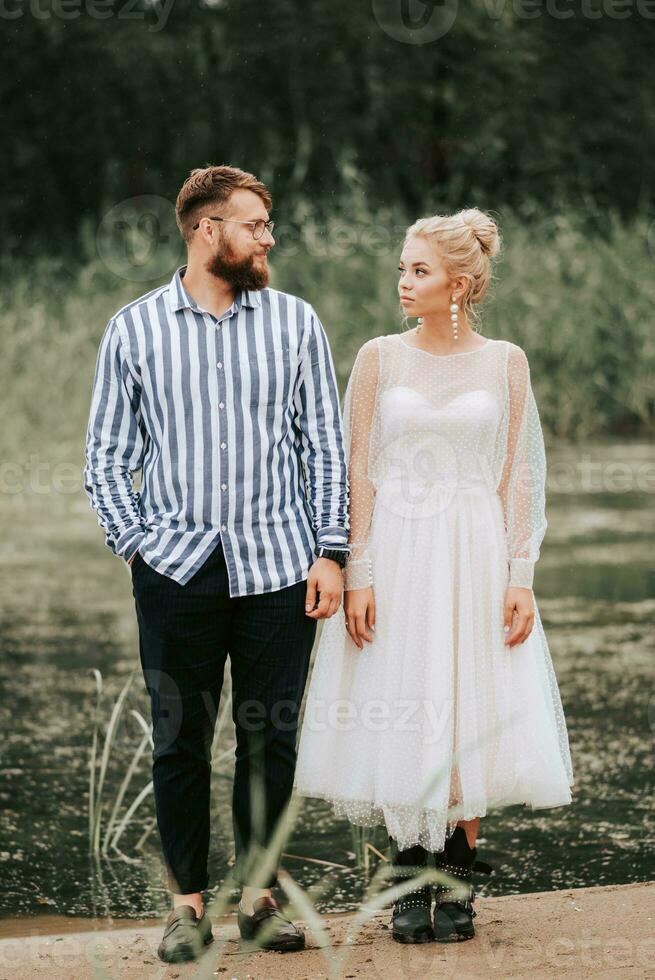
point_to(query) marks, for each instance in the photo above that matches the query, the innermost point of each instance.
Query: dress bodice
(422, 428)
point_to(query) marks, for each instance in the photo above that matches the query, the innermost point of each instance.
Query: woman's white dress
(437, 720)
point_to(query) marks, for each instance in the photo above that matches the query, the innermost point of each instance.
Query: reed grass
(97, 780)
(575, 290)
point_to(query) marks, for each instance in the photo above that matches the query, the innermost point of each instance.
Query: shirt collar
(179, 299)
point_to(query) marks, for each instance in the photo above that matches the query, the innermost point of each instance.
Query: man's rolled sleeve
(318, 417)
(114, 448)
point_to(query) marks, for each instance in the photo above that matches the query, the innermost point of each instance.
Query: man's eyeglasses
(258, 227)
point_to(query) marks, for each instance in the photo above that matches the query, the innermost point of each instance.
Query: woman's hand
(521, 602)
(359, 607)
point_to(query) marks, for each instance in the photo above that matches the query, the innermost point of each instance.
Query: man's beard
(240, 273)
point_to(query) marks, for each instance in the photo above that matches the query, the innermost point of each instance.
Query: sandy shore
(606, 932)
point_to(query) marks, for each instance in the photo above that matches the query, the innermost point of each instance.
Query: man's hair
(212, 185)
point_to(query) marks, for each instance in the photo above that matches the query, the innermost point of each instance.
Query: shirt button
(220, 364)
(222, 445)
(221, 405)
(223, 486)
(223, 527)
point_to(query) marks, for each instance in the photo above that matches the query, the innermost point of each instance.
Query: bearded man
(222, 391)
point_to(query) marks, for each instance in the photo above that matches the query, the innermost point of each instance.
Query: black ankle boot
(411, 919)
(454, 912)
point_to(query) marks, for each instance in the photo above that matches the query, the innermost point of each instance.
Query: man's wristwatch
(339, 556)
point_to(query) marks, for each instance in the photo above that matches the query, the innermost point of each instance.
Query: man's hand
(325, 576)
(519, 601)
(359, 608)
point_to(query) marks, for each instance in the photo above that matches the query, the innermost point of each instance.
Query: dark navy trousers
(186, 633)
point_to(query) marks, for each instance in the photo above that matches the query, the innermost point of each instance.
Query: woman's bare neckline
(459, 353)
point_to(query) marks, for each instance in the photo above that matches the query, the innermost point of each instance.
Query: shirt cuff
(521, 573)
(129, 541)
(333, 537)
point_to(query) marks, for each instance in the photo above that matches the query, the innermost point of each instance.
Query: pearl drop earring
(418, 323)
(454, 310)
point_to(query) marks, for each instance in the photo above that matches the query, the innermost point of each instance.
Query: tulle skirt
(436, 720)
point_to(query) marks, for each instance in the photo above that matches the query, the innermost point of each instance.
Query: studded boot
(454, 912)
(411, 919)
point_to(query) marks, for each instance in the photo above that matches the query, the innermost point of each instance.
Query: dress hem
(367, 814)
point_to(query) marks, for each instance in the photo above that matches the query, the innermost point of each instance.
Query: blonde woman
(433, 697)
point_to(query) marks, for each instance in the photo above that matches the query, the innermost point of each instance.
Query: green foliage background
(541, 113)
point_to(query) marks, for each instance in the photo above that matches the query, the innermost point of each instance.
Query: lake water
(67, 608)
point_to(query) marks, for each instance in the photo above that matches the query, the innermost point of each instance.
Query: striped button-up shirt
(236, 426)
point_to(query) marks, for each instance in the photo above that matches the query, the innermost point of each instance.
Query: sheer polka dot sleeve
(523, 485)
(359, 418)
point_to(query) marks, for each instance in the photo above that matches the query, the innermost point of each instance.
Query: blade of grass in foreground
(94, 754)
(110, 738)
(133, 766)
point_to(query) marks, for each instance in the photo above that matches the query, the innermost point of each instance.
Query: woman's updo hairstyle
(466, 242)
